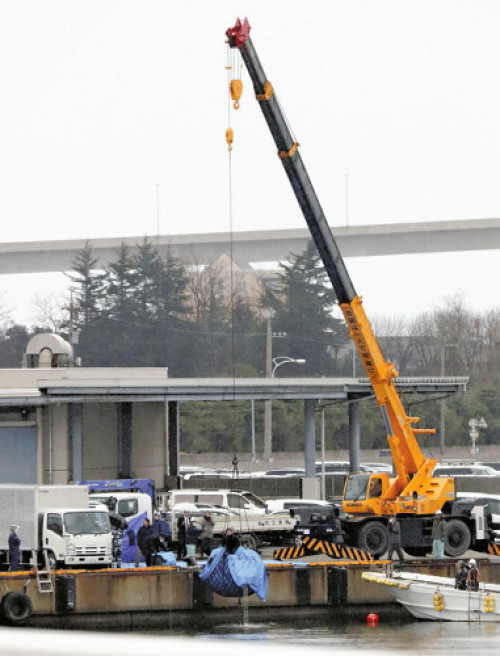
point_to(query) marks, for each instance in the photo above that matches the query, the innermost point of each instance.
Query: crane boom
(413, 471)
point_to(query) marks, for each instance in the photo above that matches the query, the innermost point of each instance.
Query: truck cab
(76, 537)
(128, 504)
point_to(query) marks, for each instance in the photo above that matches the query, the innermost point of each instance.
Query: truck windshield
(255, 500)
(356, 487)
(86, 522)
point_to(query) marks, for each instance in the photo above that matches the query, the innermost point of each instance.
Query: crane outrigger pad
(313, 545)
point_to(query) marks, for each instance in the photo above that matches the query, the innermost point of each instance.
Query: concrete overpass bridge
(252, 247)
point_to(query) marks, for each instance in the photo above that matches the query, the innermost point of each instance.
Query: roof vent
(47, 350)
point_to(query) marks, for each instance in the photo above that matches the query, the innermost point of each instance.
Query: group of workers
(438, 537)
(467, 577)
(153, 538)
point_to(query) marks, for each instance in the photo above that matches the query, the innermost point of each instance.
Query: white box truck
(55, 520)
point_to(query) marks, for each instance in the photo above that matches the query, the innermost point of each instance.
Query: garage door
(18, 447)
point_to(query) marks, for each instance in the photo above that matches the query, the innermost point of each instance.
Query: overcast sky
(108, 105)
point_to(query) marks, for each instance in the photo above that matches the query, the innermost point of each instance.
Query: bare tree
(52, 312)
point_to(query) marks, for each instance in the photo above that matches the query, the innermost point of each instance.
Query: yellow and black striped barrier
(288, 553)
(313, 545)
(494, 549)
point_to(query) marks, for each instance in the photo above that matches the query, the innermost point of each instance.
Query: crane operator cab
(363, 486)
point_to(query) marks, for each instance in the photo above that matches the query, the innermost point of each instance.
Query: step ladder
(44, 576)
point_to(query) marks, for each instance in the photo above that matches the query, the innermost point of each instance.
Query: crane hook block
(236, 89)
(229, 138)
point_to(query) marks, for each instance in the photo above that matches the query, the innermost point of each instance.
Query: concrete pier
(163, 596)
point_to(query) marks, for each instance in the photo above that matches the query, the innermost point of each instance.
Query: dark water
(412, 637)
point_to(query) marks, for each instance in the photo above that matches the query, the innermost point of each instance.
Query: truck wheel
(16, 608)
(247, 540)
(52, 561)
(457, 538)
(373, 537)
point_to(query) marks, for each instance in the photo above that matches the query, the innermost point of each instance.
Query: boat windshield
(356, 487)
(81, 522)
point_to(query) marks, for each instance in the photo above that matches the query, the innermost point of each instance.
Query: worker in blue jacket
(14, 548)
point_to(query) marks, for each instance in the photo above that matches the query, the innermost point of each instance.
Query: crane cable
(235, 89)
(230, 64)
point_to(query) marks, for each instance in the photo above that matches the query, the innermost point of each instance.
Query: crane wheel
(373, 537)
(457, 538)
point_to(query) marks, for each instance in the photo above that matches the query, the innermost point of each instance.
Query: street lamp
(268, 314)
(283, 359)
(474, 425)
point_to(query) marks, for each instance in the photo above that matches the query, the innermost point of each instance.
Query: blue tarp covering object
(229, 574)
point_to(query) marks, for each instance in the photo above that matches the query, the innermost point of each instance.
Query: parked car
(465, 470)
(285, 472)
(495, 465)
(376, 467)
(332, 468)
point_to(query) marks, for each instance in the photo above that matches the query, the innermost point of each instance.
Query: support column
(354, 434)
(173, 438)
(310, 438)
(125, 431)
(76, 441)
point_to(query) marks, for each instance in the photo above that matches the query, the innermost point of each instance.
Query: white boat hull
(435, 597)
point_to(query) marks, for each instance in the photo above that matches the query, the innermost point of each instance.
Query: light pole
(268, 418)
(268, 314)
(474, 425)
(284, 359)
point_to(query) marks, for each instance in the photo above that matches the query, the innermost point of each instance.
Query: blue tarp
(129, 544)
(229, 574)
(168, 557)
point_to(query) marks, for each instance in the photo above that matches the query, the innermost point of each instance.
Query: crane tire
(15, 608)
(457, 538)
(373, 536)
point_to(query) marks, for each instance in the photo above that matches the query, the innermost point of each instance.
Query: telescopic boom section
(412, 468)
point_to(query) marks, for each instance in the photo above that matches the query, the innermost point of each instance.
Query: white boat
(429, 597)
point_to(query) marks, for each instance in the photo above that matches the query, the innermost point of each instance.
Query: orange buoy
(372, 619)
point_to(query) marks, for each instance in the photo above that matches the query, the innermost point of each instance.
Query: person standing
(14, 548)
(394, 531)
(438, 535)
(118, 525)
(191, 538)
(144, 532)
(461, 576)
(473, 576)
(160, 526)
(182, 526)
(207, 535)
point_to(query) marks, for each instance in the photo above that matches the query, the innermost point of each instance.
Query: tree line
(143, 309)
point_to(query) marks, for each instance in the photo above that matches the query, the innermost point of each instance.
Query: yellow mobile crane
(369, 499)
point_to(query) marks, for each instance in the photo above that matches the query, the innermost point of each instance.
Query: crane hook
(229, 138)
(236, 89)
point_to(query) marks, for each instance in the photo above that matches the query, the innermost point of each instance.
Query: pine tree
(88, 286)
(303, 304)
